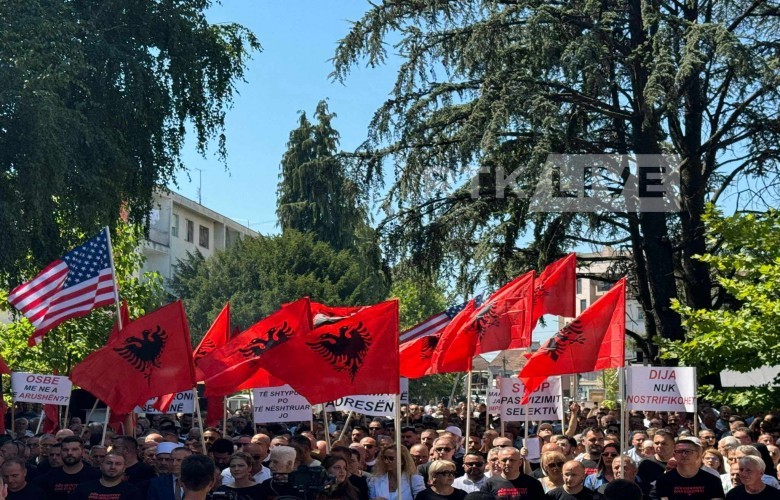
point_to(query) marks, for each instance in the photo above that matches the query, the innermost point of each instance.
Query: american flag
(67, 288)
(435, 323)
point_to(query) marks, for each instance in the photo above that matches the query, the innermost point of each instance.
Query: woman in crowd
(713, 459)
(441, 474)
(552, 465)
(243, 485)
(342, 489)
(384, 484)
(604, 473)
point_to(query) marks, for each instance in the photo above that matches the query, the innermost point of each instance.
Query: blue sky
(290, 74)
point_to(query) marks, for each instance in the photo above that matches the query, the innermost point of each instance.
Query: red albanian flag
(595, 340)
(555, 289)
(152, 356)
(322, 314)
(4, 369)
(455, 348)
(415, 356)
(227, 368)
(217, 336)
(504, 320)
(356, 355)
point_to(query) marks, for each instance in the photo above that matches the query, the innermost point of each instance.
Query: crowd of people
(357, 458)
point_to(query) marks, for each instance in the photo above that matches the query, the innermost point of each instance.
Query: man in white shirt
(474, 478)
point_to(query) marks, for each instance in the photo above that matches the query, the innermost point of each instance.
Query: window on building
(203, 236)
(579, 285)
(583, 305)
(603, 286)
(190, 231)
(175, 225)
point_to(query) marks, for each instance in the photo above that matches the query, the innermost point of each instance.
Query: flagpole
(13, 413)
(65, 420)
(200, 419)
(346, 424)
(398, 455)
(40, 422)
(105, 426)
(623, 412)
(468, 408)
(252, 405)
(89, 415)
(695, 405)
(113, 272)
(327, 428)
(224, 414)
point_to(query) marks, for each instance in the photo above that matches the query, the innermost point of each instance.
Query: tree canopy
(487, 89)
(315, 193)
(745, 332)
(95, 101)
(258, 275)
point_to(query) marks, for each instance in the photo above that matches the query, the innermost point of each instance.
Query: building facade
(178, 226)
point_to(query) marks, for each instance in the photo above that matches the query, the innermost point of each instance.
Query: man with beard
(60, 482)
(687, 481)
(15, 476)
(110, 485)
(594, 445)
(136, 472)
(512, 484)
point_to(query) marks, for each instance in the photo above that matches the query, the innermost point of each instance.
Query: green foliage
(434, 387)
(418, 299)
(315, 194)
(487, 89)
(69, 343)
(257, 275)
(745, 333)
(95, 102)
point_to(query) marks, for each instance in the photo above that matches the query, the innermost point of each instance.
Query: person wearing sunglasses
(384, 484)
(604, 473)
(441, 475)
(443, 449)
(472, 480)
(552, 466)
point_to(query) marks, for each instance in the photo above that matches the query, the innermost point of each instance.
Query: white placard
(183, 402)
(44, 389)
(545, 403)
(660, 388)
(280, 404)
(378, 405)
(494, 401)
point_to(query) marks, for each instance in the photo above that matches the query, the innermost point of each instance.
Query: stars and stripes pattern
(434, 324)
(67, 288)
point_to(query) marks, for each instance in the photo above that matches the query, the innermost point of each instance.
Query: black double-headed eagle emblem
(144, 353)
(274, 336)
(485, 317)
(558, 344)
(429, 344)
(206, 347)
(345, 350)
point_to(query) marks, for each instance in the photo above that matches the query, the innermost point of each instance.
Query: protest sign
(379, 405)
(44, 389)
(545, 403)
(280, 404)
(183, 402)
(659, 388)
(494, 401)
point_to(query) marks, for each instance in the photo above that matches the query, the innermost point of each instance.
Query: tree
(488, 88)
(69, 343)
(95, 102)
(743, 334)
(258, 275)
(315, 194)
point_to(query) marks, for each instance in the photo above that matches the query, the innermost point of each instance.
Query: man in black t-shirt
(58, 483)
(752, 488)
(651, 469)
(136, 472)
(110, 485)
(15, 476)
(687, 481)
(573, 484)
(512, 484)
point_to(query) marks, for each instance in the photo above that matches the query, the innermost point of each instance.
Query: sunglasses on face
(475, 464)
(443, 450)
(609, 455)
(557, 465)
(446, 473)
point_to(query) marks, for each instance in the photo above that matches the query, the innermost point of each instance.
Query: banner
(183, 402)
(661, 389)
(494, 401)
(376, 405)
(280, 404)
(44, 389)
(545, 403)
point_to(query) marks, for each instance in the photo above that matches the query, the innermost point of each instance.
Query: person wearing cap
(168, 486)
(687, 481)
(457, 435)
(164, 462)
